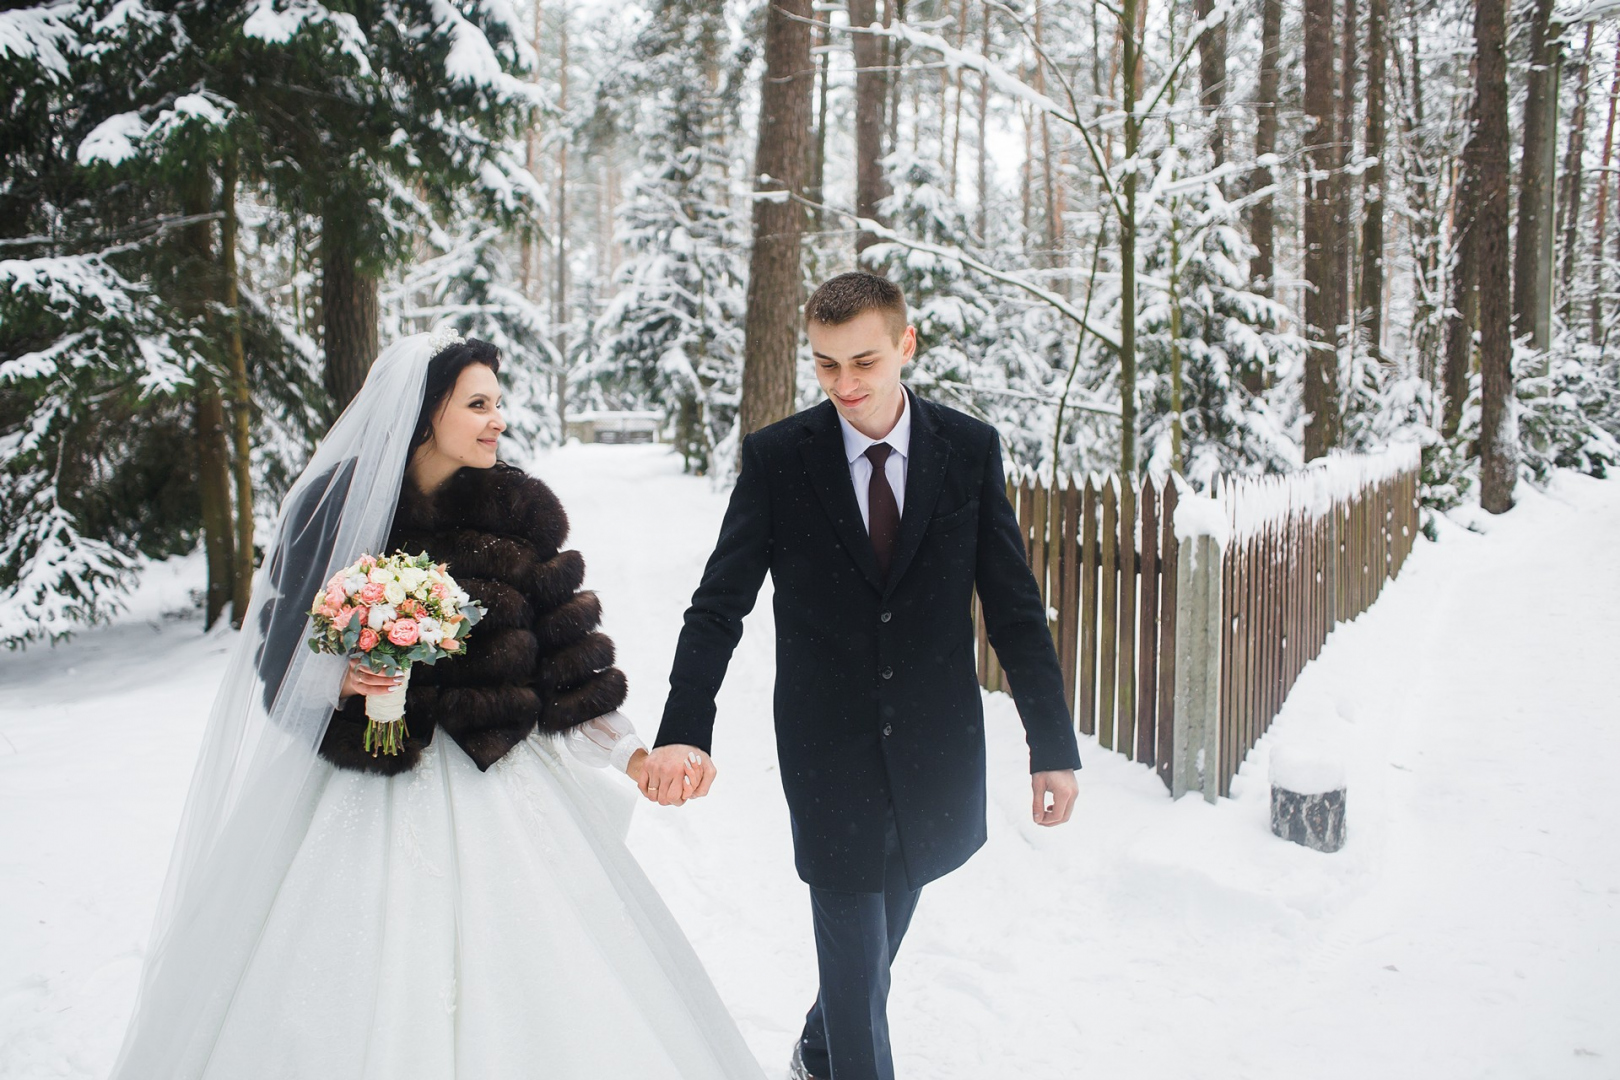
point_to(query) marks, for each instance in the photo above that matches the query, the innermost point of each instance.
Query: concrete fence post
(1198, 668)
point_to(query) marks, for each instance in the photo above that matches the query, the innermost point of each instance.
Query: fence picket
(1147, 652)
(1109, 629)
(1164, 754)
(1125, 716)
(1088, 610)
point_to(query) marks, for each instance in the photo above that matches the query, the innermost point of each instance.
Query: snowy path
(1470, 928)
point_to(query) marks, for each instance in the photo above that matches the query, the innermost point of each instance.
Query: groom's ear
(908, 344)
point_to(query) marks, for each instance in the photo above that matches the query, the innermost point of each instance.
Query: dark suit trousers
(846, 1034)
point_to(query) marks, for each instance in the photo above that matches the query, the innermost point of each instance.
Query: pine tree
(673, 335)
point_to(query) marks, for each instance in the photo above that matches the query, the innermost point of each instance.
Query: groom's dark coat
(877, 697)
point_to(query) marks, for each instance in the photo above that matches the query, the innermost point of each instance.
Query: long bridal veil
(258, 774)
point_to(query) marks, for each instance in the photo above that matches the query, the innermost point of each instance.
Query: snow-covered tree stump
(1307, 799)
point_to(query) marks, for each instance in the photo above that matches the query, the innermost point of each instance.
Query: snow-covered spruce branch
(1025, 395)
(867, 225)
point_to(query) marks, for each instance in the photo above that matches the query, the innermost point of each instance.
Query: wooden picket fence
(1115, 625)
(1288, 579)
(1104, 556)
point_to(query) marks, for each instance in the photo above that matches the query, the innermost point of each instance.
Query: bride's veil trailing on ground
(258, 774)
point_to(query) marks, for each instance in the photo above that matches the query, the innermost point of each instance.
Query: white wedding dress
(449, 923)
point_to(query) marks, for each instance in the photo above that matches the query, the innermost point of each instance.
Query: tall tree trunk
(1321, 391)
(814, 184)
(1532, 253)
(529, 252)
(1262, 214)
(1498, 449)
(892, 10)
(956, 118)
(559, 299)
(1569, 206)
(1344, 230)
(871, 106)
(241, 400)
(771, 327)
(1212, 82)
(1463, 314)
(1603, 202)
(200, 280)
(1130, 74)
(982, 218)
(1051, 221)
(1371, 315)
(1262, 270)
(1425, 234)
(348, 312)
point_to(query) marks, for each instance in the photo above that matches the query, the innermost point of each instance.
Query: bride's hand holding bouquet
(386, 614)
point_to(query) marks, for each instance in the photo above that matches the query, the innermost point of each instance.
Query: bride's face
(469, 422)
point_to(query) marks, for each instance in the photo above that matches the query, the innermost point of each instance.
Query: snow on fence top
(1251, 504)
(1239, 508)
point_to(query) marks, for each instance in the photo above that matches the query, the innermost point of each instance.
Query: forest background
(1136, 235)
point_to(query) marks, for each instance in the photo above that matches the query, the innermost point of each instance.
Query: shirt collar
(899, 439)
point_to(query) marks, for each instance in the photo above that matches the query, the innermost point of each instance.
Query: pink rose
(367, 562)
(439, 590)
(342, 619)
(372, 592)
(403, 633)
(368, 639)
(335, 597)
(329, 610)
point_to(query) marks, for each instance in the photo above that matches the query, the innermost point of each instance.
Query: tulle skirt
(449, 923)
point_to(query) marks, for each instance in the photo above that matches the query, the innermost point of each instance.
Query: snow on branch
(1104, 334)
(64, 580)
(42, 35)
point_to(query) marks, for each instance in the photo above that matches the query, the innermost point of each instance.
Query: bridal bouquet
(390, 613)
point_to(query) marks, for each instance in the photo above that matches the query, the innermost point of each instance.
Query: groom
(877, 515)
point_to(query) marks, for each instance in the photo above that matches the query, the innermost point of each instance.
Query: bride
(467, 907)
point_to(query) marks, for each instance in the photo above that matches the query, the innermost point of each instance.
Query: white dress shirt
(860, 466)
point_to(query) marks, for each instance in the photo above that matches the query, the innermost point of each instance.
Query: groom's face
(858, 364)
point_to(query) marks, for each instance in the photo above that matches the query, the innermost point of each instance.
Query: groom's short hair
(847, 296)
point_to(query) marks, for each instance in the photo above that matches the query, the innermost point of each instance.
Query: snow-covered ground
(1470, 927)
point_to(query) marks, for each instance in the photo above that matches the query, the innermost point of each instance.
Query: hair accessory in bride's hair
(444, 337)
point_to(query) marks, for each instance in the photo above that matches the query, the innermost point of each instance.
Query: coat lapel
(925, 479)
(824, 459)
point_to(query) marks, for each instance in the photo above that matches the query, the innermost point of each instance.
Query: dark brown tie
(882, 512)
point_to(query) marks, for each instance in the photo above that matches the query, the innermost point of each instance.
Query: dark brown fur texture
(536, 658)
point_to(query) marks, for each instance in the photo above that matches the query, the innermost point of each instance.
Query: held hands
(364, 681)
(1055, 793)
(672, 774)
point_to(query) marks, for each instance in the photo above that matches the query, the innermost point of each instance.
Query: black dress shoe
(796, 1069)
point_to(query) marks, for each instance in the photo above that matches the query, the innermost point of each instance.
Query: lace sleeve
(608, 741)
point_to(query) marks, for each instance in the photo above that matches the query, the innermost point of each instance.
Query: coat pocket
(952, 519)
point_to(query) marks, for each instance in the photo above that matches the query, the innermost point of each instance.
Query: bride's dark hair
(442, 372)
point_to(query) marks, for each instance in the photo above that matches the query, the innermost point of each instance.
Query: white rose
(394, 592)
(382, 613)
(380, 576)
(412, 578)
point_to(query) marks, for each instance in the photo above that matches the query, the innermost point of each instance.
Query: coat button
(888, 729)
(888, 673)
(886, 616)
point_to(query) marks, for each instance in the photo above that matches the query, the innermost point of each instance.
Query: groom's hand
(1058, 788)
(676, 773)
